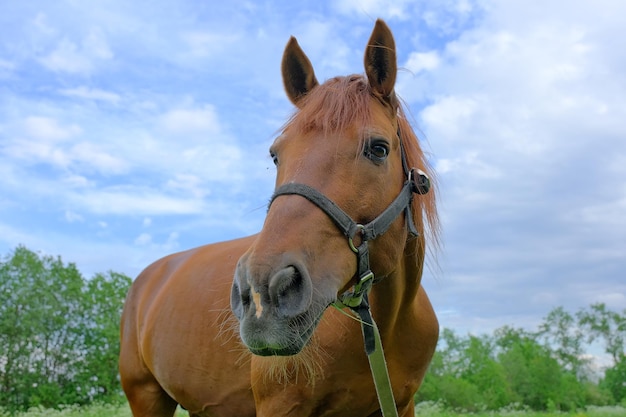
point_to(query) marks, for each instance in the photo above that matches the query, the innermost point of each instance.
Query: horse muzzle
(274, 306)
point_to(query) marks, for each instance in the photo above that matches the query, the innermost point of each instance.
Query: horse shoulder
(178, 318)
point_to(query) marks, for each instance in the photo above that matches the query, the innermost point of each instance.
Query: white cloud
(76, 181)
(143, 239)
(420, 61)
(96, 45)
(131, 200)
(451, 117)
(48, 141)
(72, 217)
(91, 94)
(34, 152)
(188, 185)
(448, 16)
(49, 129)
(203, 44)
(68, 56)
(146, 240)
(6, 65)
(203, 120)
(470, 164)
(373, 8)
(94, 158)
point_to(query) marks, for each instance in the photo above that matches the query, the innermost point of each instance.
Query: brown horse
(266, 343)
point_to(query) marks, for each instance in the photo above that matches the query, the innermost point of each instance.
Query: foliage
(430, 409)
(544, 370)
(610, 326)
(58, 332)
(615, 380)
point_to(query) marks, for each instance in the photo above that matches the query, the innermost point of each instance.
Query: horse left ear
(298, 75)
(380, 61)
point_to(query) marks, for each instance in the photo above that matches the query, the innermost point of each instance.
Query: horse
(245, 327)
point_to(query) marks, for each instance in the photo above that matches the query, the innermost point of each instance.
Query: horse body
(284, 352)
(190, 351)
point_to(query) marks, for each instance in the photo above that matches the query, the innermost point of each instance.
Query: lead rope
(380, 374)
(358, 301)
(374, 351)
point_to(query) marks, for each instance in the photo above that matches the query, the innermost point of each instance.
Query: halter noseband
(416, 182)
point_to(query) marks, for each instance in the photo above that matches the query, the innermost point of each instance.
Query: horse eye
(274, 158)
(377, 151)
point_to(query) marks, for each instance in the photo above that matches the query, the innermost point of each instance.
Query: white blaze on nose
(256, 297)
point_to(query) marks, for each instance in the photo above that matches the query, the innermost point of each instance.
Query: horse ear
(298, 75)
(380, 61)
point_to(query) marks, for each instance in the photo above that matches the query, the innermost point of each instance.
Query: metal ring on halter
(420, 183)
(359, 227)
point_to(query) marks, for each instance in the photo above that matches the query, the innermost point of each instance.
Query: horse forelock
(343, 102)
(332, 107)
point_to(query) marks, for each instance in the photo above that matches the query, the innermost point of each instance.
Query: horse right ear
(298, 75)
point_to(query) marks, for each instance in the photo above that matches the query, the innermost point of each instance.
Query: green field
(102, 410)
(423, 410)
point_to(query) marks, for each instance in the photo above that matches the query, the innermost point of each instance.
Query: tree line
(547, 369)
(59, 344)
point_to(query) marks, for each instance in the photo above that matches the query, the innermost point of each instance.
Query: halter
(357, 298)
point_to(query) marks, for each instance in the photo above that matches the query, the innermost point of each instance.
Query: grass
(95, 410)
(437, 410)
(422, 410)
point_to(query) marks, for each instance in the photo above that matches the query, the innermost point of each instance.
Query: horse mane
(343, 102)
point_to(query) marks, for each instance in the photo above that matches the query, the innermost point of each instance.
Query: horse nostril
(239, 298)
(290, 291)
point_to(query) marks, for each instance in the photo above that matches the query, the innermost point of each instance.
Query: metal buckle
(355, 297)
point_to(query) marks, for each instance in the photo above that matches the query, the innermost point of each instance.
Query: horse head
(343, 146)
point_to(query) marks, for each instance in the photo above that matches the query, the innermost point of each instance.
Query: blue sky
(130, 130)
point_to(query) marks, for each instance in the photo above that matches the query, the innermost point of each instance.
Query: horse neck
(393, 295)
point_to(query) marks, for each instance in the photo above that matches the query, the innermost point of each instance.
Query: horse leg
(148, 399)
(145, 395)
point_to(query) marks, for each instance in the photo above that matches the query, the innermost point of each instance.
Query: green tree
(103, 302)
(486, 373)
(465, 375)
(610, 326)
(440, 385)
(560, 331)
(615, 381)
(58, 332)
(606, 324)
(40, 310)
(535, 375)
